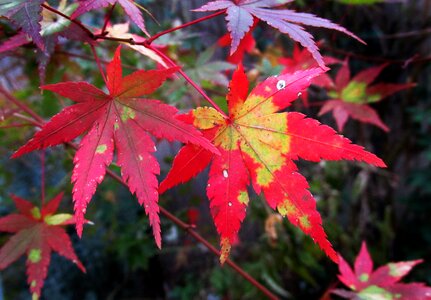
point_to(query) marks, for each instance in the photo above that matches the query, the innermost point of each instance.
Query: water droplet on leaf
(281, 84)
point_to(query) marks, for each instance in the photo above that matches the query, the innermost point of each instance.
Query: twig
(410, 60)
(108, 18)
(91, 58)
(76, 22)
(21, 105)
(156, 36)
(96, 57)
(188, 79)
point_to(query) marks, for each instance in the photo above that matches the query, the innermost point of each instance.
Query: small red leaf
(350, 97)
(381, 283)
(123, 117)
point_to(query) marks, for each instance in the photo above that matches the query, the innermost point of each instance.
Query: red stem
(188, 79)
(76, 22)
(203, 241)
(21, 105)
(96, 57)
(39, 123)
(90, 58)
(156, 36)
(108, 18)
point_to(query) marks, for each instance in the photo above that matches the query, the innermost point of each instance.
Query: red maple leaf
(350, 97)
(259, 146)
(382, 283)
(122, 117)
(38, 232)
(302, 60)
(240, 15)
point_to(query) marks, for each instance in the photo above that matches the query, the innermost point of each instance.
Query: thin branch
(188, 79)
(91, 58)
(202, 240)
(76, 22)
(407, 34)
(96, 57)
(156, 36)
(406, 61)
(108, 18)
(20, 104)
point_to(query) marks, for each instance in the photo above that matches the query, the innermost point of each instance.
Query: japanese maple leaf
(382, 283)
(38, 232)
(259, 146)
(240, 14)
(51, 28)
(129, 6)
(119, 117)
(247, 44)
(26, 14)
(350, 97)
(301, 60)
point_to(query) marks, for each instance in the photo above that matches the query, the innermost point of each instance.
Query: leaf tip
(225, 250)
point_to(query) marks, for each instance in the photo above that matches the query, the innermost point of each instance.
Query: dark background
(390, 209)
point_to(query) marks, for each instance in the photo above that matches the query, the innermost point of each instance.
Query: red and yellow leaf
(36, 236)
(351, 97)
(258, 145)
(382, 283)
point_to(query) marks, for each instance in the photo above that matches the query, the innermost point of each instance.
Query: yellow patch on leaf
(287, 208)
(225, 250)
(207, 118)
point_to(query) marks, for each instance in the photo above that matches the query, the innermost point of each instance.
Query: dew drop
(225, 174)
(155, 148)
(299, 94)
(84, 210)
(230, 204)
(208, 185)
(281, 84)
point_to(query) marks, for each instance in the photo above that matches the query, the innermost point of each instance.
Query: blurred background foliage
(389, 208)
